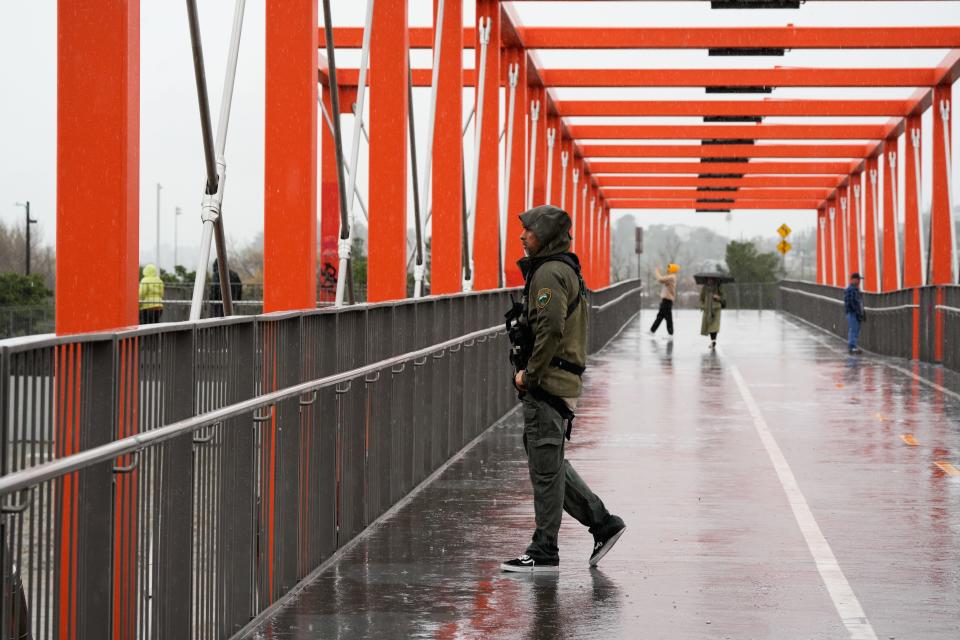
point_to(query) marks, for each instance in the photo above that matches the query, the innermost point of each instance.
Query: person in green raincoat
(712, 303)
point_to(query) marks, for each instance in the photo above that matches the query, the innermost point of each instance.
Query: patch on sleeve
(543, 298)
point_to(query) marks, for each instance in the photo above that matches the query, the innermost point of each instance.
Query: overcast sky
(170, 134)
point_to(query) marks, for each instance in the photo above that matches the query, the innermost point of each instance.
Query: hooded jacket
(151, 289)
(552, 290)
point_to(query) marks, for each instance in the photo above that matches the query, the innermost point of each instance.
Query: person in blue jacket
(853, 306)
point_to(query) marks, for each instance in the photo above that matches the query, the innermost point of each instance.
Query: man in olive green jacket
(555, 308)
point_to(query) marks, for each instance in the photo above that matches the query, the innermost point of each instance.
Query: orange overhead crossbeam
(789, 37)
(725, 150)
(800, 182)
(697, 108)
(728, 132)
(776, 77)
(624, 203)
(740, 194)
(768, 168)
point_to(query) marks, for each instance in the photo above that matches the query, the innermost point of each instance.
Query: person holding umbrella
(712, 300)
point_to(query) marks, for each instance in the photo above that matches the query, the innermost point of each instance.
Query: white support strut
(823, 252)
(915, 141)
(483, 33)
(894, 179)
(513, 72)
(576, 179)
(418, 272)
(534, 117)
(857, 209)
(551, 139)
(345, 243)
(564, 158)
(876, 229)
(212, 204)
(833, 246)
(846, 241)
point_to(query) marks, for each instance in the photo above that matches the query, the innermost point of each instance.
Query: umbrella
(715, 269)
(722, 278)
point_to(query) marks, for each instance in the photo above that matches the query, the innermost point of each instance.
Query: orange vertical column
(486, 233)
(942, 251)
(890, 277)
(387, 273)
(566, 202)
(290, 156)
(605, 276)
(446, 244)
(518, 180)
(912, 255)
(849, 237)
(871, 232)
(540, 168)
(831, 248)
(98, 176)
(840, 277)
(329, 210)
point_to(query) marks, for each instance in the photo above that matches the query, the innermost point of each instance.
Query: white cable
(876, 230)
(534, 117)
(823, 252)
(576, 179)
(551, 139)
(564, 157)
(345, 243)
(212, 204)
(945, 116)
(894, 179)
(513, 72)
(915, 139)
(483, 33)
(431, 125)
(833, 246)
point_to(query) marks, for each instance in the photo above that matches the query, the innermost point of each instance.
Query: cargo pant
(556, 486)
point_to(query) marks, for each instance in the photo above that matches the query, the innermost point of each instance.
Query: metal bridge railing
(921, 323)
(173, 481)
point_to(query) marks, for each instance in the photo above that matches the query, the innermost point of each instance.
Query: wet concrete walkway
(775, 489)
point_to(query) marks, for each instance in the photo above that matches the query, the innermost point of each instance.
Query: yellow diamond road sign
(784, 247)
(784, 231)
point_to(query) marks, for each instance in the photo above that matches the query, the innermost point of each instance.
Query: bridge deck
(696, 450)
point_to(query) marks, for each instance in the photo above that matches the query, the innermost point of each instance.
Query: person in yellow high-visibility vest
(151, 296)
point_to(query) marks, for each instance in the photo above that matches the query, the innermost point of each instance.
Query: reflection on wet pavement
(712, 550)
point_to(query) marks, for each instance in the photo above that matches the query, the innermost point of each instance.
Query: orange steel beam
(788, 37)
(623, 203)
(290, 157)
(670, 108)
(725, 151)
(789, 168)
(707, 131)
(776, 77)
(798, 182)
(740, 194)
(486, 233)
(98, 176)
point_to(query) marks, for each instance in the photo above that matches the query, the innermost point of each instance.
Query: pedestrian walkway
(699, 452)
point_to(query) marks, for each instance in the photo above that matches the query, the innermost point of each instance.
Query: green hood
(150, 271)
(551, 225)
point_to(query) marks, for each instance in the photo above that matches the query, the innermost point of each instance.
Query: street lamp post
(30, 221)
(156, 255)
(176, 245)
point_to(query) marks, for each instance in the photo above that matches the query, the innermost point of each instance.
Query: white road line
(844, 599)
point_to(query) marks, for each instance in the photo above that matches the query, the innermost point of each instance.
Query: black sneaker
(603, 544)
(526, 564)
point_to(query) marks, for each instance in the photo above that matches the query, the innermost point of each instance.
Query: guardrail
(921, 323)
(175, 480)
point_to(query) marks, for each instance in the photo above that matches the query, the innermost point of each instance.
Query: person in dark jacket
(216, 295)
(853, 307)
(555, 312)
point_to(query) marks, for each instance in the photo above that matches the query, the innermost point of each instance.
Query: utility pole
(30, 221)
(156, 255)
(176, 246)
